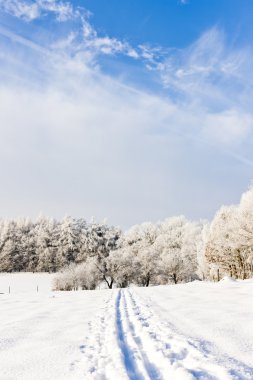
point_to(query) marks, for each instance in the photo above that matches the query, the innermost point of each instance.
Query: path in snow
(191, 331)
(131, 342)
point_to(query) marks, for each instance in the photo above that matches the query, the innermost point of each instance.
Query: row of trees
(175, 250)
(48, 245)
(146, 254)
(229, 242)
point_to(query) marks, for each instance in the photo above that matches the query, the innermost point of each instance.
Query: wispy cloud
(78, 130)
(22, 41)
(208, 78)
(85, 37)
(31, 10)
(105, 45)
(207, 63)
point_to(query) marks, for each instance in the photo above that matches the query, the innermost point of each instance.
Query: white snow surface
(191, 331)
(26, 282)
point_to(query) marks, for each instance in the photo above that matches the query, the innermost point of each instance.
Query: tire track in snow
(180, 357)
(146, 338)
(101, 357)
(128, 341)
(129, 361)
(236, 370)
(139, 344)
(137, 364)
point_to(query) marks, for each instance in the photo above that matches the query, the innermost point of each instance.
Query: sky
(127, 110)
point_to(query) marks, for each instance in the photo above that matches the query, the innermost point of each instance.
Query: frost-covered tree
(191, 240)
(78, 276)
(175, 250)
(140, 240)
(27, 246)
(229, 248)
(219, 248)
(244, 239)
(6, 259)
(169, 243)
(67, 279)
(88, 274)
(11, 258)
(68, 243)
(177, 244)
(203, 267)
(48, 245)
(123, 267)
(47, 237)
(100, 241)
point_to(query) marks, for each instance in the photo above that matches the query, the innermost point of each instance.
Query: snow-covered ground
(191, 331)
(26, 282)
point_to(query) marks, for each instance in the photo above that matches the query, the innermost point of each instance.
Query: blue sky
(170, 23)
(129, 110)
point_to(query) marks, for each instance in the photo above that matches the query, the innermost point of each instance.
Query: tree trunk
(175, 278)
(109, 283)
(244, 272)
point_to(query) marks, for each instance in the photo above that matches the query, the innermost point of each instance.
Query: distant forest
(173, 251)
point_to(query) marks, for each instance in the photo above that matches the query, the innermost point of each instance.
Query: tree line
(48, 245)
(175, 250)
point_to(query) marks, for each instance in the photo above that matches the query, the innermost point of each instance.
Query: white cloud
(20, 9)
(83, 143)
(204, 68)
(228, 127)
(31, 10)
(83, 146)
(207, 77)
(104, 45)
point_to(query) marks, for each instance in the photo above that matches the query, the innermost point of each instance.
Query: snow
(228, 279)
(191, 331)
(25, 282)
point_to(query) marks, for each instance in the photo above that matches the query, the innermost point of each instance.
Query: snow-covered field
(191, 331)
(26, 282)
